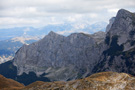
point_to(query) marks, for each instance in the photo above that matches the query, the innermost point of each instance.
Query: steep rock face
(123, 27)
(111, 21)
(120, 45)
(61, 58)
(79, 55)
(98, 81)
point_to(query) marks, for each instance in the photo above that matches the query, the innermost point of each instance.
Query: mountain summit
(62, 58)
(120, 45)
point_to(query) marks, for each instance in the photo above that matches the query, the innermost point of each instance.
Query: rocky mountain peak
(52, 33)
(123, 20)
(52, 37)
(120, 45)
(122, 13)
(58, 54)
(123, 26)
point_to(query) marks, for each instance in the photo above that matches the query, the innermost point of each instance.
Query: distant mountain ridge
(9, 47)
(64, 29)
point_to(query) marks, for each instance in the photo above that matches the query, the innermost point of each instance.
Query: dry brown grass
(9, 84)
(98, 81)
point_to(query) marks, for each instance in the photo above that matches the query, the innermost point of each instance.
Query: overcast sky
(37, 13)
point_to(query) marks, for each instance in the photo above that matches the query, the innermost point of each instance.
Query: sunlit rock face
(98, 81)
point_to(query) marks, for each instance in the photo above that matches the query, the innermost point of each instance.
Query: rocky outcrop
(111, 21)
(62, 58)
(99, 81)
(119, 54)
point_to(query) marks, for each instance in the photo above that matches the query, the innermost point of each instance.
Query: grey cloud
(69, 6)
(43, 10)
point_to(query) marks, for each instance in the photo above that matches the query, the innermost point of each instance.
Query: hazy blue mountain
(9, 47)
(31, 31)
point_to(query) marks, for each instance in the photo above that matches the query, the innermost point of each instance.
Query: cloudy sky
(38, 13)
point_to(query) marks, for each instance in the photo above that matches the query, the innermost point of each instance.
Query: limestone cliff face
(119, 54)
(62, 58)
(79, 55)
(98, 81)
(123, 26)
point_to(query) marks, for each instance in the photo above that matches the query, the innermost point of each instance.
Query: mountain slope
(62, 58)
(98, 81)
(9, 84)
(119, 54)
(64, 29)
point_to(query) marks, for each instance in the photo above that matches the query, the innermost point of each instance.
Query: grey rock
(120, 45)
(111, 21)
(79, 55)
(63, 58)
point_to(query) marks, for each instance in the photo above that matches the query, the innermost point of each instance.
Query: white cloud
(71, 19)
(42, 12)
(113, 10)
(66, 32)
(93, 15)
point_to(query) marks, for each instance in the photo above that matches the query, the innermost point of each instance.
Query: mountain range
(64, 29)
(79, 55)
(12, 39)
